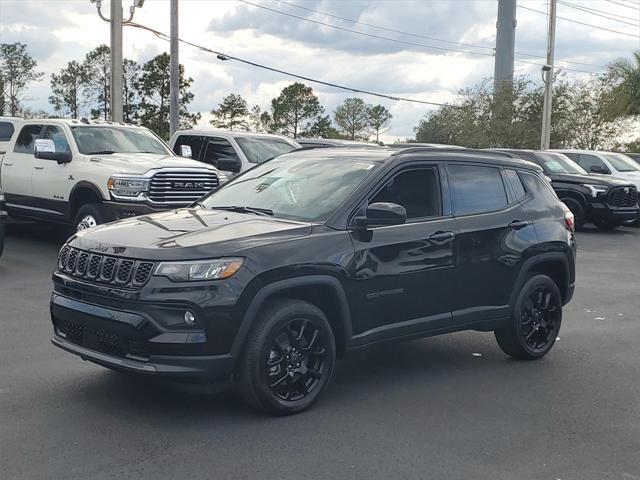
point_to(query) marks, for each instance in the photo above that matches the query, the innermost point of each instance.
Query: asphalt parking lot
(451, 407)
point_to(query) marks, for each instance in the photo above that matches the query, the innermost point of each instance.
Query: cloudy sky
(57, 31)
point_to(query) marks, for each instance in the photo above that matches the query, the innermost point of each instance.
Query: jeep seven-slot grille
(623, 197)
(122, 272)
(181, 187)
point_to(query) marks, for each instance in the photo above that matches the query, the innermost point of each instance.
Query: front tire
(288, 358)
(91, 215)
(535, 322)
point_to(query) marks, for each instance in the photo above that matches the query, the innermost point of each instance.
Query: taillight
(570, 221)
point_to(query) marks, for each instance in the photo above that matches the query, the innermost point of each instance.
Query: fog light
(189, 318)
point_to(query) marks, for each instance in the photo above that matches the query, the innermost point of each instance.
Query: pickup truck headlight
(199, 270)
(596, 189)
(127, 186)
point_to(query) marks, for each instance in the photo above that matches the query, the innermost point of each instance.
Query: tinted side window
(26, 138)
(194, 141)
(218, 148)
(55, 133)
(588, 161)
(418, 191)
(476, 189)
(539, 188)
(516, 184)
(6, 131)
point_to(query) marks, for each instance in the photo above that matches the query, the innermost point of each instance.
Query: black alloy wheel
(535, 322)
(539, 319)
(295, 361)
(288, 358)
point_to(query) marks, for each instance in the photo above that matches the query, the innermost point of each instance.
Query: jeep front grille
(621, 197)
(104, 269)
(181, 188)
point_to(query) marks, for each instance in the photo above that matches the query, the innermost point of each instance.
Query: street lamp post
(117, 22)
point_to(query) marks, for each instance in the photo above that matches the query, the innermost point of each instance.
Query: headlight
(199, 270)
(596, 189)
(1, 197)
(222, 178)
(127, 186)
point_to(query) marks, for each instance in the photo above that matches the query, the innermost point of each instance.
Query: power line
(525, 54)
(625, 5)
(371, 35)
(582, 23)
(599, 13)
(224, 56)
(358, 22)
(564, 68)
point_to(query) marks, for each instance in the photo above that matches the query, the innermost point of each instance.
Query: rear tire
(91, 215)
(1, 237)
(288, 358)
(535, 322)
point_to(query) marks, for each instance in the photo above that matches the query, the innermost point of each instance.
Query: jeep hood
(187, 233)
(141, 163)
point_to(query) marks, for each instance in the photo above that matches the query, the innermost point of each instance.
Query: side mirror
(185, 151)
(46, 150)
(229, 164)
(382, 214)
(599, 169)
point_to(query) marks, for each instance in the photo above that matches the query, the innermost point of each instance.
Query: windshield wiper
(102, 152)
(242, 209)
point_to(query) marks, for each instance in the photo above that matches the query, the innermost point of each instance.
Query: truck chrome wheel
(88, 221)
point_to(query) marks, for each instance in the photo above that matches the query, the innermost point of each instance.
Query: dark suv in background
(312, 254)
(605, 201)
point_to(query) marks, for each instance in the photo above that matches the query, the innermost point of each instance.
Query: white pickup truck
(87, 173)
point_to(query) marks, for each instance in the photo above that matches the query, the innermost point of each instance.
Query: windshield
(305, 189)
(106, 140)
(259, 149)
(621, 163)
(558, 163)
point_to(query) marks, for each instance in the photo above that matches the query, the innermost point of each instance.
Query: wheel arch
(82, 193)
(553, 264)
(323, 291)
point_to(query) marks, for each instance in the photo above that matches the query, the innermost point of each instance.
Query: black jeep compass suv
(314, 253)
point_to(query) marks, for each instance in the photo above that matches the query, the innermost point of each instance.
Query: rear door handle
(39, 168)
(442, 236)
(8, 164)
(518, 224)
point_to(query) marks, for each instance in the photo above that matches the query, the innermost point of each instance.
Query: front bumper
(132, 341)
(603, 211)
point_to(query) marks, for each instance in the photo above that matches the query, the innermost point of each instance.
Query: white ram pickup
(86, 173)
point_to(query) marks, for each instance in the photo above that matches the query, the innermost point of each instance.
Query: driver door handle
(442, 236)
(38, 168)
(518, 224)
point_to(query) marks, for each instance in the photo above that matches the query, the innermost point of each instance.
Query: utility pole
(548, 76)
(116, 61)
(505, 45)
(116, 79)
(174, 72)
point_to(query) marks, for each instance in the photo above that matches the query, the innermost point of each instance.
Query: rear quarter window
(476, 189)
(26, 138)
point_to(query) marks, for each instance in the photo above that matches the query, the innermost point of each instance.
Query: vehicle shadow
(381, 370)
(39, 232)
(620, 231)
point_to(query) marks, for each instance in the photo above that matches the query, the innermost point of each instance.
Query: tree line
(84, 87)
(592, 114)
(297, 112)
